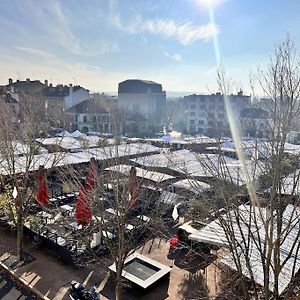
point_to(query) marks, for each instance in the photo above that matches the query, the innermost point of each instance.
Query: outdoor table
(67, 207)
(144, 218)
(107, 234)
(129, 227)
(61, 198)
(74, 225)
(100, 219)
(69, 195)
(61, 241)
(44, 214)
(111, 211)
(53, 200)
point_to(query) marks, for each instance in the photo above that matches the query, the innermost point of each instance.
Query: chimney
(10, 81)
(50, 85)
(28, 80)
(46, 82)
(240, 93)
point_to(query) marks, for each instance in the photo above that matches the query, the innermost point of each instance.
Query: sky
(99, 43)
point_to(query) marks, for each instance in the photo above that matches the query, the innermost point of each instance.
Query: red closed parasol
(83, 211)
(42, 194)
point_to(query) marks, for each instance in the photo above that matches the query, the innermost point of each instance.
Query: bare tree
(266, 238)
(20, 158)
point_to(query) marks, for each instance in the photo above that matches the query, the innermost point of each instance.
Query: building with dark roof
(66, 95)
(142, 99)
(32, 87)
(89, 116)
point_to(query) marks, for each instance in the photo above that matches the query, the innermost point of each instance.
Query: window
(192, 122)
(193, 114)
(193, 106)
(85, 119)
(192, 129)
(201, 122)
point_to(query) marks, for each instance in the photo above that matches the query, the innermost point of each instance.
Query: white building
(64, 95)
(206, 114)
(89, 116)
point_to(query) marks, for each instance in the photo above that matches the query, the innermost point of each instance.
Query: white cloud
(58, 71)
(175, 56)
(185, 32)
(53, 25)
(36, 52)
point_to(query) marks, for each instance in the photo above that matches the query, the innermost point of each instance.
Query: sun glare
(209, 3)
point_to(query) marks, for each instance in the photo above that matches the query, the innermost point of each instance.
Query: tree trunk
(118, 290)
(20, 240)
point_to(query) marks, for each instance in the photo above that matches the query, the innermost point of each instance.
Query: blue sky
(98, 43)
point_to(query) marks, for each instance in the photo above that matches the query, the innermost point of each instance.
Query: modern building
(142, 104)
(88, 116)
(206, 114)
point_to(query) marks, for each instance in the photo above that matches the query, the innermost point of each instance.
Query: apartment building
(206, 114)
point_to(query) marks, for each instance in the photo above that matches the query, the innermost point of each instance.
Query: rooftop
(87, 107)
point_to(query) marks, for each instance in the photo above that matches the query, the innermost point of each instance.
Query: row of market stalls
(201, 166)
(248, 233)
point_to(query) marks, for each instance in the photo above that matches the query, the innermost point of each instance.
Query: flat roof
(142, 270)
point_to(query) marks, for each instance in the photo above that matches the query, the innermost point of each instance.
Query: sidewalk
(51, 277)
(47, 273)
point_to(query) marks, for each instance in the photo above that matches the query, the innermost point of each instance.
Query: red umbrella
(83, 211)
(42, 194)
(133, 188)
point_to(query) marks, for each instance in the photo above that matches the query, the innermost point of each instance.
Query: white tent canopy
(154, 176)
(214, 233)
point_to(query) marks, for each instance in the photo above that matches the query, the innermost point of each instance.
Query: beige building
(142, 104)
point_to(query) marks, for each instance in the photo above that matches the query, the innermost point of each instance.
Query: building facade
(142, 104)
(58, 99)
(206, 114)
(88, 116)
